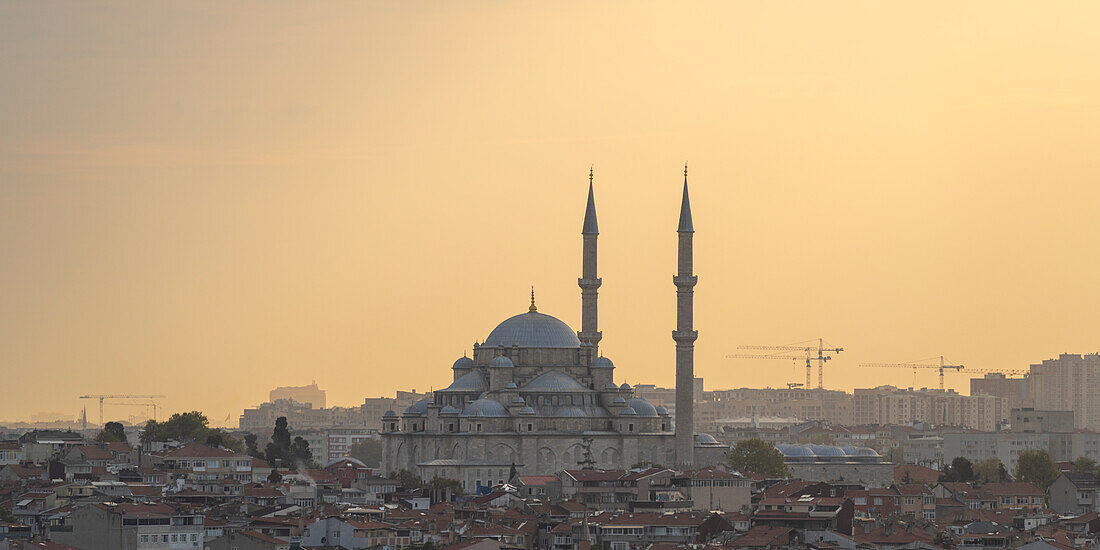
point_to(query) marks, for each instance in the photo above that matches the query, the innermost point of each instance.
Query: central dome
(533, 330)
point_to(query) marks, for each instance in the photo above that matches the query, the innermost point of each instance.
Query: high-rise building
(1013, 390)
(306, 395)
(1069, 383)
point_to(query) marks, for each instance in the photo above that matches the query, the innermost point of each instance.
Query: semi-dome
(618, 402)
(602, 362)
(501, 362)
(705, 439)
(471, 381)
(448, 410)
(533, 330)
(463, 363)
(629, 411)
(485, 407)
(611, 386)
(389, 414)
(527, 411)
(554, 380)
(420, 407)
(517, 400)
(511, 386)
(570, 411)
(642, 407)
(661, 411)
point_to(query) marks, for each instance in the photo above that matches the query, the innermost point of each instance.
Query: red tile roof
(262, 537)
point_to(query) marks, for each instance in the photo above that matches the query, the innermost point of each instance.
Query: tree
(444, 489)
(112, 431)
(407, 480)
(252, 446)
(368, 451)
(990, 471)
(278, 451)
(896, 455)
(7, 517)
(960, 470)
(1084, 464)
(1036, 466)
(300, 453)
(757, 455)
(188, 426)
(274, 476)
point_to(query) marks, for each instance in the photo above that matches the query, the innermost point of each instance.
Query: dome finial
(533, 309)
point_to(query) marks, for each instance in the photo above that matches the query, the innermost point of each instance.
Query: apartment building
(1070, 382)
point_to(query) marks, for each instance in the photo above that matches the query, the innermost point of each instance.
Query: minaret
(589, 335)
(685, 336)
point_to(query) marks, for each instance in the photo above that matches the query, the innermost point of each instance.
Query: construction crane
(793, 385)
(1007, 372)
(918, 364)
(101, 398)
(150, 404)
(818, 352)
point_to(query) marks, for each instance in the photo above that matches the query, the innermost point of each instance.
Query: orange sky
(207, 201)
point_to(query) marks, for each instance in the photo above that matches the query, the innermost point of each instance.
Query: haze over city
(209, 202)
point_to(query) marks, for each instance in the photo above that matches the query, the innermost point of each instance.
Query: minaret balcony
(685, 280)
(685, 336)
(592, 283)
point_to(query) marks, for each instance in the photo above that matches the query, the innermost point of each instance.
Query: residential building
(1070, 382)
(110, 526)
(1075, 493)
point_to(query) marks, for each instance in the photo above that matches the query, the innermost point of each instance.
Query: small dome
(705, 439)
(661, 411)
(628, 412)
(570, 412)
(826, 450)
(511, 386)
(625, 386)
(533, 330)
(642, 407)
(471, 381)
(795, 451)
(448, 411)
(517, 400)
(501, 362)
(463, 363)
(527, 411)
(389, 414)
(485, 407)
(618, 401)
(602, 362)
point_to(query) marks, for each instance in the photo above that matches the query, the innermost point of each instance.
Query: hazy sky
(207, 200)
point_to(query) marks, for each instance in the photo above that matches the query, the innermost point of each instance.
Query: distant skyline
(208, 202)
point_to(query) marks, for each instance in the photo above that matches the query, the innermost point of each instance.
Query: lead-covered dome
(533, 330)
(485, 407)
(463, 363)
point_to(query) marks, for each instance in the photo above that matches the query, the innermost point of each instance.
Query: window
(909, 501)
(630, 427)
(530, 427)
(479, 427)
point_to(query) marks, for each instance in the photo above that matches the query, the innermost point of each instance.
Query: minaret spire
(589, 334)
(685, 335)
(532, 309)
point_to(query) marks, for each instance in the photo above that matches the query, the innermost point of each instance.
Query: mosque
(538, 396)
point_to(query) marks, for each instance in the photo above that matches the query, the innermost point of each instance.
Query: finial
(685, 171)
(533, 309)
(590, 169)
